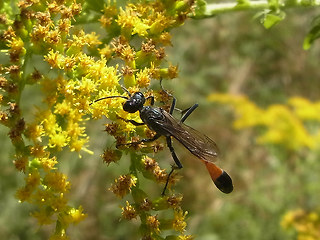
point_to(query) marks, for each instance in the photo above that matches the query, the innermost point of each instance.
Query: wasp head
(134, 103)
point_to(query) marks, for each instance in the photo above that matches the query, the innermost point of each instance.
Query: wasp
(164, 124)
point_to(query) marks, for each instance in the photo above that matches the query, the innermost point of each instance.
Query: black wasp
(164, 124)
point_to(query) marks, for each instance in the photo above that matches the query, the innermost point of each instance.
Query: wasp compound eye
(130, 106)
(134, 103)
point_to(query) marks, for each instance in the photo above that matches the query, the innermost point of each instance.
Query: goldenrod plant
(46, 43)
(306, 224)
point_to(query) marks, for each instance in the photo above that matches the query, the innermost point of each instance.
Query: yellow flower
(86, 87)
(123, 185)
(186, 237)
(110, 155)
(140, 28)
(248, 114)
(160, 23)
(80, 39)
(43, 217)
(127, 19)
(53, 37)
(34, 132)
(92, 39)
(48, 163)
(21, 162)
(129, 212)
(55, 59)
(64, 25)
(24, 194)
(284, 128)
(174, 201)
(77, 145)
(16, 49)
(305, 109)
(179, 223)
(306, 225)
(153, 223)
(282, 125)
(39, 33)
(42, 197)
(109, 12)
(57, 182)
(143, 78)
(69, 63)
(58, 138)
(165, 38)
(62, 108)
(106, 52)
(77, 214)
(33, 179)
(72, 216)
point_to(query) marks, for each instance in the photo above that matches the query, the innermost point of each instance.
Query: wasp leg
(173, 104)
(174, 156)
(186, 113)
(152, 100)
(144, 140)
(155, 137)
(131, 121)
(168, 178)
(176, 160)
(135, 123)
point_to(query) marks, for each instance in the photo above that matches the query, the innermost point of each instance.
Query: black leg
(152, 100)
(155, 137)
(167, 181)
(144, 140)
(135, 123)
(174, 156)
(173, 104)
(131, 121)
(176, 160)
(188, 112)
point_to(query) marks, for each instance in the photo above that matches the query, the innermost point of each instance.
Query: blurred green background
(229, 54)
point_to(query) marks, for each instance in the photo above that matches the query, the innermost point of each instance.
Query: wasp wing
(197, 143)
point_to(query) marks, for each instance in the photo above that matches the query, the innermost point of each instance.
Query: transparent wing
(197, 143)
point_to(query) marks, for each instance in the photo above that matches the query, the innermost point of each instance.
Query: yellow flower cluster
(295, 125)
(154, 225)
(44, 28)
(305, 224)
(83, 67)
(123, 185)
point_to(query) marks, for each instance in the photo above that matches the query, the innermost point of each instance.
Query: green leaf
(313, 34)
(271, 19)
(200, 7)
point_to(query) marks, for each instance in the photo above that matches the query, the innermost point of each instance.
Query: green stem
(214, 9)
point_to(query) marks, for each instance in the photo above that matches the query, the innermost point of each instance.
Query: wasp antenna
(99, 99)
(126, 90)
(169, 94)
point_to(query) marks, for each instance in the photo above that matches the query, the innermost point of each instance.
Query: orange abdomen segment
(221, 179)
